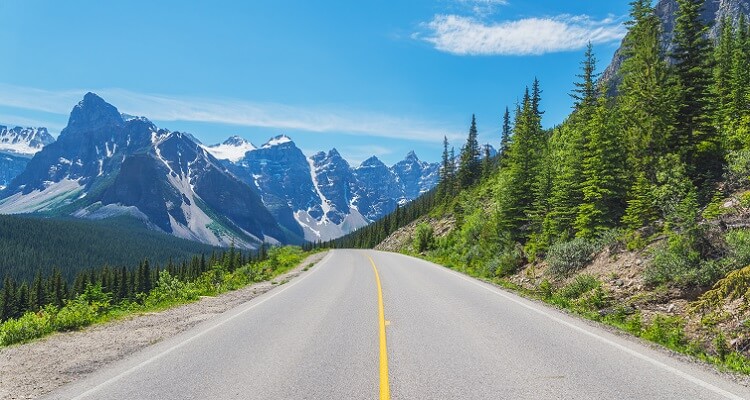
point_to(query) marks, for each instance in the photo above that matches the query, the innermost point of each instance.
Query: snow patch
(281, 139)
(229, 152)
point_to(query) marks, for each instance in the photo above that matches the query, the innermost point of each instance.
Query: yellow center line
(385, 390)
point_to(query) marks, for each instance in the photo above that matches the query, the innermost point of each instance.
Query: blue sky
(367, 77)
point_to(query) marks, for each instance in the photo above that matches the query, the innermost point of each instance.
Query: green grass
(94, 306)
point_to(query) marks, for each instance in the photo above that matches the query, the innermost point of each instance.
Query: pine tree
(646, 101)
(446, 171)
(517, 199)
(721, 87)
(38, 297)
(585, 92)
(505, 136)
(469, 164)
(738, 135)
(603, 171)
(640, 209)
(695, 139)
(8, 299)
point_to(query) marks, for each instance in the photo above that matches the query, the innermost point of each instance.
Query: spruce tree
(505, 136)
(603, 171)
(585, 91)
(695, 139)
(647, 92)
(469, 164)
(641, 208)
(738, 136)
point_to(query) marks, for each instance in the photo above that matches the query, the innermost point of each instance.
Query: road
(438, 335)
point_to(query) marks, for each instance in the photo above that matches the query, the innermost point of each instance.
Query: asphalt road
(440, 335)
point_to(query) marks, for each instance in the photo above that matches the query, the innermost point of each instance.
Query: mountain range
(106, 164)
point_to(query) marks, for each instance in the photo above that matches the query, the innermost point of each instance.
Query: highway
(363, 324)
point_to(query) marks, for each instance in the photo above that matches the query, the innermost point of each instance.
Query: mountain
(232, 149)
(417, 177)
(323, 197)
(17, 146)
(713, 12)
(104, 165)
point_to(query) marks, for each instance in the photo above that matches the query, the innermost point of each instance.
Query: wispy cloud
(482, 7)
(236, 112)
(530, 36)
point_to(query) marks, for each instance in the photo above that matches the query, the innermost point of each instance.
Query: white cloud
(235, 112)
(530, 36)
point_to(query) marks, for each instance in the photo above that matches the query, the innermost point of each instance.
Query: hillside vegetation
(29, 245)
(634, 211)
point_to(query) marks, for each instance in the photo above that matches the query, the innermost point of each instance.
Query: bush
(568, 257)
(507, 262)
(739, 247)
(424, 238)
(581, 285)
(678, 262)
(76, 314)
(29, 326)
(170, 290)
(667, 331)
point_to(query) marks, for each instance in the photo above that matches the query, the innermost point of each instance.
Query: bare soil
(30, 370)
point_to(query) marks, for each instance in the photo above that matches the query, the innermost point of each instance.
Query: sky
(366, 77)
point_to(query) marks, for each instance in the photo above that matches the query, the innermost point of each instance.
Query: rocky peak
(93, 113)
(235, 141)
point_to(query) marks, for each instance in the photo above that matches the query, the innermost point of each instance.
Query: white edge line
(632, 352)
(199, 334)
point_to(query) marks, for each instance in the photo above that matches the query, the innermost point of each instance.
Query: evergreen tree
(738, 131)
(695, 139)
(517, 199)
(603, 171)
(585, 91)
(505, 136)
(640, 209)
(721, 87)
(646, 100)
(469, 164)
(8, 299)
(38, 296)
(446, 171)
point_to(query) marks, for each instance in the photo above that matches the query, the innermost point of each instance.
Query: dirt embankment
(33, 369)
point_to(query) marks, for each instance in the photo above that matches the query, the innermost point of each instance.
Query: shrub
(667, 331)
(170, 290)
(29, 326)
(739, 247)
(507, 262)
(675, 261)
(76, 314)
(568, 257)
(424, 238)
(581, 285)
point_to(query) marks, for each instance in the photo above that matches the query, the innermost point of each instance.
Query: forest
(29, 245)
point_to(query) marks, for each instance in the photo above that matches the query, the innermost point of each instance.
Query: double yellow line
(385, 390)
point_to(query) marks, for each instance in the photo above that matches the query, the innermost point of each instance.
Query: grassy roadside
(586, 297)
(95, 306)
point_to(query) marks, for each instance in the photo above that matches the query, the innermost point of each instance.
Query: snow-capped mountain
(322, 197)
(417, 177)
(23, 141)
(104, 165)
(17, 146)
(233, 149)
